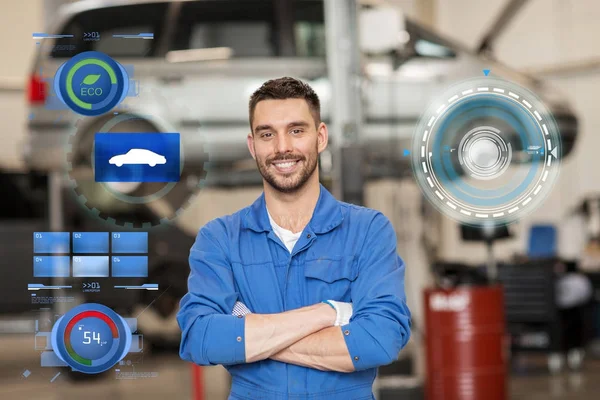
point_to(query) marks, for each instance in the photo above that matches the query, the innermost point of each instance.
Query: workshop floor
(535, 383)
(174, 379)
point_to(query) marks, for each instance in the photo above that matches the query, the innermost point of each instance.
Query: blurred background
(530, 329)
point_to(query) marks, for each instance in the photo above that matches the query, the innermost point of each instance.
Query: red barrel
(466, 343)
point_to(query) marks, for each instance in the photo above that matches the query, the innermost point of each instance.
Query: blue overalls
(346, 253)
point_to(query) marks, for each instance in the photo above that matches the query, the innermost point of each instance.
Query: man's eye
(296, 131)
(267, 135)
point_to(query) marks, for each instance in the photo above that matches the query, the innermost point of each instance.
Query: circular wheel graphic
(132, 204)
(91, 338)
(486, 152)
(91, 83)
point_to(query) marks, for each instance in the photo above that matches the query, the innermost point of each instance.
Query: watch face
(91, 83)
(91, 338)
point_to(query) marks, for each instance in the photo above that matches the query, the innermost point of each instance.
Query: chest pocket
(330, 278)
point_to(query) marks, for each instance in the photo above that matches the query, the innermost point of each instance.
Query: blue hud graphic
(486, 151)
(137, 157)
(91, 83)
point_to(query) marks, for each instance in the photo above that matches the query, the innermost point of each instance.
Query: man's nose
(284, 143)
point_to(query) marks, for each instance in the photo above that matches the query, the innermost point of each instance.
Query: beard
(292, 182)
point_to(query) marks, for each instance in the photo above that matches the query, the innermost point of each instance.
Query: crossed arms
(379, 328)
(305, 337)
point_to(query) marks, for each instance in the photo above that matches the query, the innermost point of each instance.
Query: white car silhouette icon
(138, 156)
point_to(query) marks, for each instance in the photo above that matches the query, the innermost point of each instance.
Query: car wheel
(119, 164)
(152, 164)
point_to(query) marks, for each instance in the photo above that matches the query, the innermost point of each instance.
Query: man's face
(286, 143)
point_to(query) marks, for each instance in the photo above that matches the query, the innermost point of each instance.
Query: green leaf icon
(90, 79)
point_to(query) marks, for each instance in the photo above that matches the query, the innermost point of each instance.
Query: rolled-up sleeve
(380, 324)
(210, 334)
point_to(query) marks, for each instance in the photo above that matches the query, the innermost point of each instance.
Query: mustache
(286, 157)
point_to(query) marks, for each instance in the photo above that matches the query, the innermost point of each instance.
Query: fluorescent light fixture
(207, 54)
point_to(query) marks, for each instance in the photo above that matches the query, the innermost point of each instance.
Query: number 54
(88, 339)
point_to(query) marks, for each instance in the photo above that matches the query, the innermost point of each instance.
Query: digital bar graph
(145, 35)
(40, 286)
(145, 286)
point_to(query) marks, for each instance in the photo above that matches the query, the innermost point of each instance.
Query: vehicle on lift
(207, 57)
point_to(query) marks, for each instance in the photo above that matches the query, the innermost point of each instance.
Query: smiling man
(299, 296)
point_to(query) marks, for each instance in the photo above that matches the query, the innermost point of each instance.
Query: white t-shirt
(288, 238)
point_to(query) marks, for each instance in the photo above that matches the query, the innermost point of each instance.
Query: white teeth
(285, 165)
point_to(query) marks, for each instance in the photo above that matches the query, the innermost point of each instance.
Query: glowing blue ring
(104, 363)
(437, 192)
(468, 193)
(118, 89)
(506, 206)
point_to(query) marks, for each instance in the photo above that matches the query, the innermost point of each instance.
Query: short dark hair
(286, 88)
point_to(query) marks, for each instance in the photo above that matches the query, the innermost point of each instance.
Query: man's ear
(322, 137)
(250, 142)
